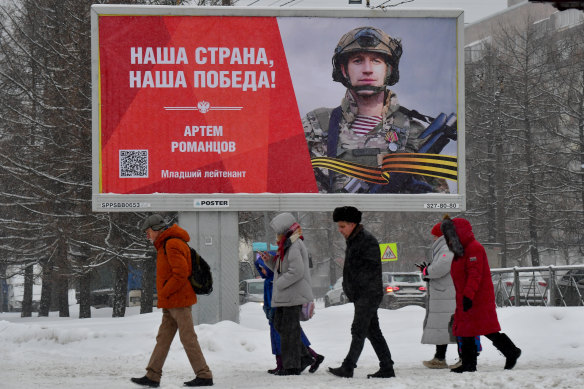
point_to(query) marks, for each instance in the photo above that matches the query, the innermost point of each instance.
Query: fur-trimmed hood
(456, 234)
(463, 230)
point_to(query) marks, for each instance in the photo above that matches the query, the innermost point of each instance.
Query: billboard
(225, 108)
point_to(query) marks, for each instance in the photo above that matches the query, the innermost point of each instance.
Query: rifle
(441, 130)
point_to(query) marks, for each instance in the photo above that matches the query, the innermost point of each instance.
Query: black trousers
(366, 326)
(287, 323)
(440, 351)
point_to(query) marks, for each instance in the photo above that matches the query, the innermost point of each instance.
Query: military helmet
(368, 39)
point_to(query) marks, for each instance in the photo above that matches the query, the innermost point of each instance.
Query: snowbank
(102, 351)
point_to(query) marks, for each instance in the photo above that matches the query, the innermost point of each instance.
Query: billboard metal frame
(109, 202)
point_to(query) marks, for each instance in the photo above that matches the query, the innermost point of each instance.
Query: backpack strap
(166, 240)
(197, 258)
(333, 132)
(189, 247)
(333, 139)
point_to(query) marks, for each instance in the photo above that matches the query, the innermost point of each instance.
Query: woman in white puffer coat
(441, 301)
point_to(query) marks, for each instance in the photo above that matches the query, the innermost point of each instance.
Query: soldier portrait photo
(385, 122)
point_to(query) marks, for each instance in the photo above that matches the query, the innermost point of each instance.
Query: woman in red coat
(476, 312)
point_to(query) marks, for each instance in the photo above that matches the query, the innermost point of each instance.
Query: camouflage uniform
(396, 133)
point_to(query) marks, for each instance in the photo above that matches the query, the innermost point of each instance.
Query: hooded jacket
(292, 282)
(471, 275)
(441, 295)
(362, 281)
(173, 268)
(268, 286)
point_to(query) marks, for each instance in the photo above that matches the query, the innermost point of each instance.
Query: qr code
(133, 163)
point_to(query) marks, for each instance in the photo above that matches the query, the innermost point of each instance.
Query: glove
(423, 267)
(466, 303)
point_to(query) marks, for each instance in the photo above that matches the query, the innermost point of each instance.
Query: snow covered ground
(103, 352)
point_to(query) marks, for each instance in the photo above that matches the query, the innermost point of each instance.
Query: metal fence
(543, 285)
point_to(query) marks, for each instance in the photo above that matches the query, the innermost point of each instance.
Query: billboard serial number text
(441, 205)
(120, 205)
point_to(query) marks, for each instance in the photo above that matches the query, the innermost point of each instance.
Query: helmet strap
(376, 89)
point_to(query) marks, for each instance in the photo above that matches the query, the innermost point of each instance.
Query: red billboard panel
(198, 105)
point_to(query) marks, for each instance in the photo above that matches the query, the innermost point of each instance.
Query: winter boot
(199, 382)
(435, 363)
(469, 356)
(383, 372)
(278, 365)
(317, 361)
(508, 348)
(342, 371)
(306, 361)
(145, 381)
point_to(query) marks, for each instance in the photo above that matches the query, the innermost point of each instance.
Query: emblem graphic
(203, 106)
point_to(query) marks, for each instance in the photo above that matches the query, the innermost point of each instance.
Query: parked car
(246, 271)
(403, 288)
(251, 290)
(335, 296)
(533, 289)
(571, 288)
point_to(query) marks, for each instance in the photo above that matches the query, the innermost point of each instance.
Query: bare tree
(520, 170)
(45, 100)
(567, 93)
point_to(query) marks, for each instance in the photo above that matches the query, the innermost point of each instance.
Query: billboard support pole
(268, 231)
(215, 237)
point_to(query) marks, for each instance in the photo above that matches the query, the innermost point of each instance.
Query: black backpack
(201, 278)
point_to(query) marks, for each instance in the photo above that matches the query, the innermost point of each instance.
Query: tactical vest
(389, 136)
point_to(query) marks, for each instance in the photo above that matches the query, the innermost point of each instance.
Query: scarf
(292, 235)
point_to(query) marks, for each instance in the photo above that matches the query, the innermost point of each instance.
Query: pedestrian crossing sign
(388, 252)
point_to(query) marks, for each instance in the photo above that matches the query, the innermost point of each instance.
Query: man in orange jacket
(176, 297)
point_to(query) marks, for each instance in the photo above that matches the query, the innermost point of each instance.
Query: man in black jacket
(363, 286)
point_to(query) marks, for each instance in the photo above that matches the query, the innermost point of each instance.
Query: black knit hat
(347, 214)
